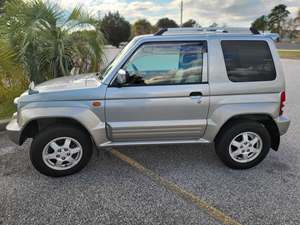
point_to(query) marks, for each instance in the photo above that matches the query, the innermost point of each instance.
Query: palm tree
(12, 76)
(48, 40)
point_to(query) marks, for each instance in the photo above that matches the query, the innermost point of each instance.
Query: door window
(166, 64)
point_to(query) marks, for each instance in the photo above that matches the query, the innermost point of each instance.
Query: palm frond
(47, 41)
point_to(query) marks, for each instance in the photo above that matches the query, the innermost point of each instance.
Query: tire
(232, 142)
(61, 150)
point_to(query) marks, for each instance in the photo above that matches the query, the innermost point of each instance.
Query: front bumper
(283, 124)
(14, 131)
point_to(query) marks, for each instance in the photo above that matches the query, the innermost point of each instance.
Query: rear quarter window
(248, 61)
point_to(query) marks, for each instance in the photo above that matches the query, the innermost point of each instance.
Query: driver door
(166, 96)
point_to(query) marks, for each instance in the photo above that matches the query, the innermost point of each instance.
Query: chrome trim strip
(134, 143)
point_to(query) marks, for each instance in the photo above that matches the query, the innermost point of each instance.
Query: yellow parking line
(289, 50)
(190, 197)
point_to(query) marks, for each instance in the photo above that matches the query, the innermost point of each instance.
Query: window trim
(204, 42)
(270, 52)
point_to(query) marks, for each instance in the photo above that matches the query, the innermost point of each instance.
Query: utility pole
(181, 12)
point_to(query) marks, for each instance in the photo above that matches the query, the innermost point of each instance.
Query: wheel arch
(264, 119)
(34, 126)
(34, 119)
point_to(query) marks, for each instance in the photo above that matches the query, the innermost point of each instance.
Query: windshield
(116, 60)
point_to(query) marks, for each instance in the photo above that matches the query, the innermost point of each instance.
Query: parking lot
(178, 184)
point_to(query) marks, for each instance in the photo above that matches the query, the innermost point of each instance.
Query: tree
(141, 27)
(260, 23)
(297, 18)
(115, 28)
(44, 38)
(1, 6)
(189, 23)
(290, 29)
(213, 25)
(277, 17)
(166, 23)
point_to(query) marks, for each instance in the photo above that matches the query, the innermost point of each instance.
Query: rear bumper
(283, 124)
(14, 131)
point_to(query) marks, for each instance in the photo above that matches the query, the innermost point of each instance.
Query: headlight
(16, 101)
(15, 115)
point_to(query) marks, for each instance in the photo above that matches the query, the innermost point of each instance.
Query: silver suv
(178, 86)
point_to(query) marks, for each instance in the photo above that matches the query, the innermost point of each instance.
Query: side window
(166, 64)
(248, 61)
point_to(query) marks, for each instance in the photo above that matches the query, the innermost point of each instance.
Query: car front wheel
(60, 151)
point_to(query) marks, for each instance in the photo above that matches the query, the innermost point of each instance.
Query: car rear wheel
(61, 151)
(243, 145)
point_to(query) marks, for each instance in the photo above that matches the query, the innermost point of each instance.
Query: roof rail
(192, 30)
(161, 31)
(234, 30)
(254, 30)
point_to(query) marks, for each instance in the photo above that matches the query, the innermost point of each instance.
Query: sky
(230, 12)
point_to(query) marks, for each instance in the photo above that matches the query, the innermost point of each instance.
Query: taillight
(282, 102)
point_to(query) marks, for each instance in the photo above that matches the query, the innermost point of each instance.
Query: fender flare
(83, 116)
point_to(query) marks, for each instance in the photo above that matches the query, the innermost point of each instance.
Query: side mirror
(122, 77)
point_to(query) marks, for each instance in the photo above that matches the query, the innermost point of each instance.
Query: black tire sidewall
(222, 146)
(44, 137)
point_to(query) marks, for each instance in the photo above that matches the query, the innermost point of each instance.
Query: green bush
(7, 108)
(8, 93)
(13, 80)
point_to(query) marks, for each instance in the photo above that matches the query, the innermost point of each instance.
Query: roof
(232, 32)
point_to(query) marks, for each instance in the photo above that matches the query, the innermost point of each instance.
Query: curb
(3, 124)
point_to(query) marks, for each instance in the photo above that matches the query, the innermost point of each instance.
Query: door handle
(192, 94)
(196, 96)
